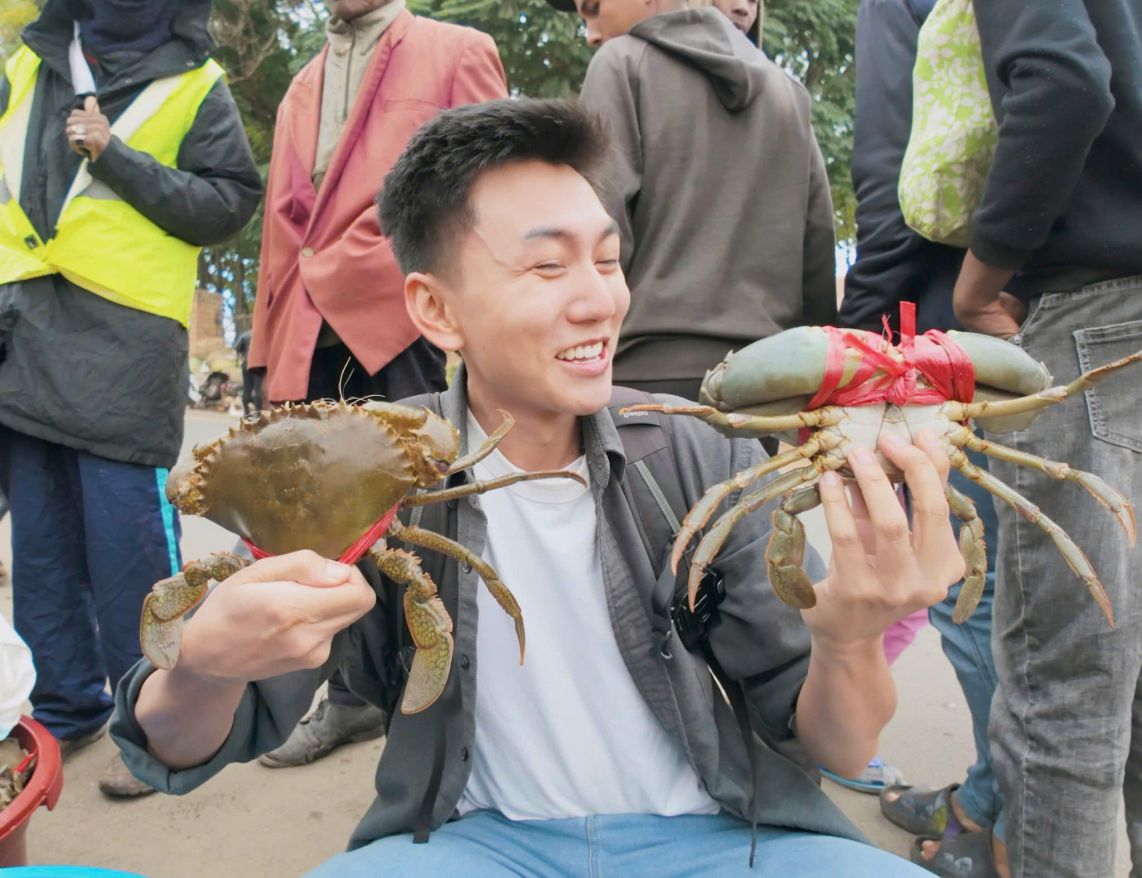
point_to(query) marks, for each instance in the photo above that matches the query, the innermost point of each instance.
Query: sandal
(878, 776)
(967, 855)
(921, 811)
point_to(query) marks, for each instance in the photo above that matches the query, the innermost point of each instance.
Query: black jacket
(1063, 202)
(78, 369)
(894, 263)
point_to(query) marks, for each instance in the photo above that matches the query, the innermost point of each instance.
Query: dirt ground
(264, 823)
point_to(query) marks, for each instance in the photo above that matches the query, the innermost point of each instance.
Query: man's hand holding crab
(881, 571)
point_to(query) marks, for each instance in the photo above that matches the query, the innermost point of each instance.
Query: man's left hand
(980, 303)
(88, 130)
(880, 570)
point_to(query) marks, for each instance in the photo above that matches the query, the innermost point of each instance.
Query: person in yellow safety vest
(105, 202)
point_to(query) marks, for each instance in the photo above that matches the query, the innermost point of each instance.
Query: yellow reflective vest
(101, 243)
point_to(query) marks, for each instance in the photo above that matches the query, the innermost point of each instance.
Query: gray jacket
(720, 191)
(77, 369)
(760, 642)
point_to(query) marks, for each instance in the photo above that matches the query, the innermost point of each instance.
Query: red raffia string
(945, 367)
(355, 552)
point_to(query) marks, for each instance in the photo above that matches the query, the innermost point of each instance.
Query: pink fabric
(323, 255)
(899, 636)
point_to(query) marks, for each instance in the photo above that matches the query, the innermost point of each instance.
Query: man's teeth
(583, 352)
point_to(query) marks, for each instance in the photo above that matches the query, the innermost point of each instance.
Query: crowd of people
(677, 210)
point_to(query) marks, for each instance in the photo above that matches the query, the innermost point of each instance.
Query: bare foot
(929, 849)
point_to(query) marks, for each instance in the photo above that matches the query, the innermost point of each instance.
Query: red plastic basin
(43, 788)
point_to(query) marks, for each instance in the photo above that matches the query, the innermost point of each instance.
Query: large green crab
(828, 391)
(330, 477)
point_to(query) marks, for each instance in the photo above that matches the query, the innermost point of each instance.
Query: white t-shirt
(567, 734)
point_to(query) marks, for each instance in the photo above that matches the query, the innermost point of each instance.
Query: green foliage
(815, 42)
(14, 14)
(263, 43)
(544, 53)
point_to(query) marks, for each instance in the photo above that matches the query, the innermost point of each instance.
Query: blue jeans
(1066, 722)
(968, 648)
(485, 844)
(90, 536)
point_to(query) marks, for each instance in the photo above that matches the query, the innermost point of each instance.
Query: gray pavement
(265, 823)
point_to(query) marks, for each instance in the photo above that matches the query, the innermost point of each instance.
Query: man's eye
(548, 267)
(607, 263)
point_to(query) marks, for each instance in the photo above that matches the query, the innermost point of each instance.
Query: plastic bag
(954, 131)
(17, 676)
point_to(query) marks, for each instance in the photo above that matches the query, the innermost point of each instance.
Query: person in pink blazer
(329, 316)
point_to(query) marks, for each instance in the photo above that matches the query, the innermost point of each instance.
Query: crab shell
(780, 374)
(313, 476)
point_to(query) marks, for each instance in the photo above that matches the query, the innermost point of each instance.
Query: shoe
(927, 813)
(876, 777)
(70, 746)
(967, 855)
(324, 730)
(117, 781)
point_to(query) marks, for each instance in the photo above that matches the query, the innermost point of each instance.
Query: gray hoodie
(719, 188)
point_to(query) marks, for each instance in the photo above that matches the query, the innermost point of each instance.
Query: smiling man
(602, 748)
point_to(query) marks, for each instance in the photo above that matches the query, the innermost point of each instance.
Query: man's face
(743, 13)
(607, 19)
(538, 295)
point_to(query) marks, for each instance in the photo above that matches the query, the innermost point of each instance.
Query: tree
(14, 14)
(545, 55)
(261, 45)
(816, 43)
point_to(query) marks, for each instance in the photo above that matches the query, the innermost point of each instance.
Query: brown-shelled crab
(330, 477)
(828, 391)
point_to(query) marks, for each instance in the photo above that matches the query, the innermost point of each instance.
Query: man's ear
(427, 303)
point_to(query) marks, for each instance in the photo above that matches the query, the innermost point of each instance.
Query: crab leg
(786, 550)
(431, 540)
(1096, 487)
(160, 623)
(1072, 554)
(962, 411)
(761, 425)
(428, 497)
(974, 552)
(701, 511)
(713, 541)
(462, 463)
(429, 624)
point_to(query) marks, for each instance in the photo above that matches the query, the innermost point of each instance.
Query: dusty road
(262, 823)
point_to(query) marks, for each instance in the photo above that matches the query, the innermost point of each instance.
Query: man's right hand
(278, 615)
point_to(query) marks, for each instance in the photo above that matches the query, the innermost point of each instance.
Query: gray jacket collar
(600, 436)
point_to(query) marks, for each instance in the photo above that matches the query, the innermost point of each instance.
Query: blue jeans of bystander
(968, 648)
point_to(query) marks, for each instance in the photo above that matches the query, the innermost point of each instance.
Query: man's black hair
(424, 201)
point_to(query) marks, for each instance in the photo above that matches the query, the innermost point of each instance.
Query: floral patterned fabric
(953, 127)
